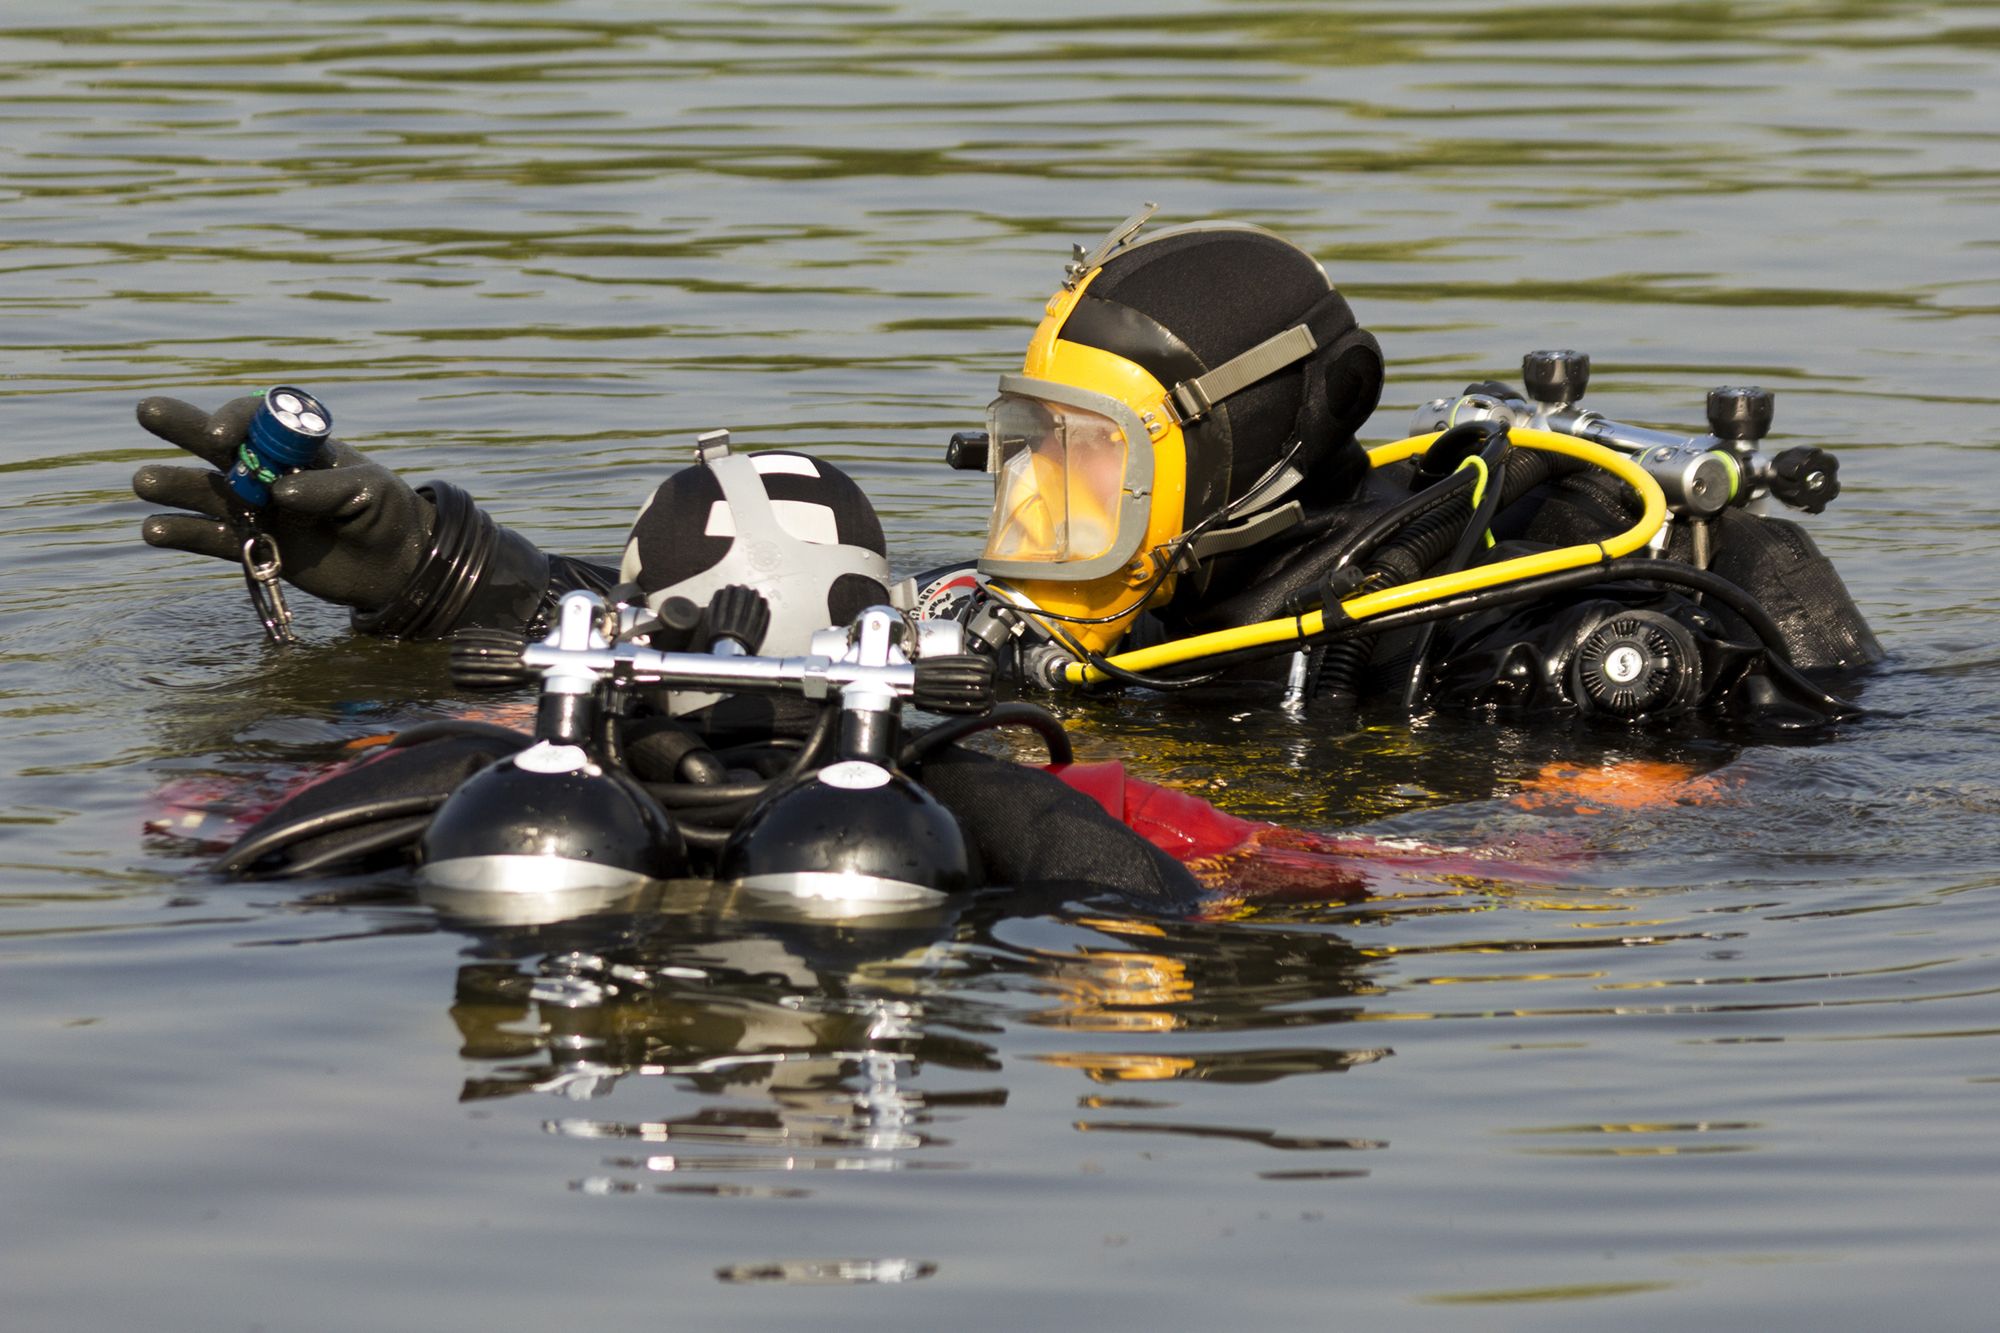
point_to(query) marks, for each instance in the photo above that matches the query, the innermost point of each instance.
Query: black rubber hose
(748, 748)
(1746, 608)
(1118, 673)
(431, 731)
(1099, 662)
(1525, 469)
(1529, 468)
(611, 736)
(1410, 554)
(400, 833)
(1799, 681)
(1336, 676)
(1494, 456)
(1416, 551)
(686, 798)
(816, 740)
(708, 839)
(252, 849)
(724, 817)
(694, 796)
(1399, 545)
(1387, 523)
(1032, 716)
(1428, 537)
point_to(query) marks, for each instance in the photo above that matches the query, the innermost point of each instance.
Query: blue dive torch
(286, 436)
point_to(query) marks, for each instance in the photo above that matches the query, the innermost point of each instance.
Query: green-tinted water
(1738, 1069)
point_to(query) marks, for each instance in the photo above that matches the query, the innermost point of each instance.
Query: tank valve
(1697, 483)
(1805, 478)
(1740, 414)
(1556, 378)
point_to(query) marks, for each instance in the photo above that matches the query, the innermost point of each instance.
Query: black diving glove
(414, 564)
(350, 532)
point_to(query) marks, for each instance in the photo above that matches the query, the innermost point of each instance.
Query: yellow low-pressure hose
(1423, 590)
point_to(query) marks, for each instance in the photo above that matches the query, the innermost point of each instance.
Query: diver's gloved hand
(351, 532)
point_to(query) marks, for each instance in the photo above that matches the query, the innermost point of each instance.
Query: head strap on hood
(1191, 399)
(1198, 307)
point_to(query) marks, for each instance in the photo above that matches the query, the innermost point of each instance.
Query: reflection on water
(808, 1037)
(1699, 1027)
(817, 1271)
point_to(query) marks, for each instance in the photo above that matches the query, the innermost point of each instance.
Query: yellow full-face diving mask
(1061, 498)
(1154, 346)
(1088, 487)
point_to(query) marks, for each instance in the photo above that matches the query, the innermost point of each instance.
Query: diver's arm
(411, 563)
(476, 573)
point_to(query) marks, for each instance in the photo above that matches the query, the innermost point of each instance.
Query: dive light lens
(285, 436)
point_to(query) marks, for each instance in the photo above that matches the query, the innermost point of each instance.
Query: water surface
(1735, 1064)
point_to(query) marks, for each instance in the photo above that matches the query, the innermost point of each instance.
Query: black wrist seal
(476, 573)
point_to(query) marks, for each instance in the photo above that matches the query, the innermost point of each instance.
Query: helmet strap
(750, 508)
(1192, 399)
(1258, 527)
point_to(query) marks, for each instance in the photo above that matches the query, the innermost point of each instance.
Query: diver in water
(1179, 491)
(727, 705)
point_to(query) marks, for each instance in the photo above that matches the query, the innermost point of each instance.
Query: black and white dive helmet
(795, 528)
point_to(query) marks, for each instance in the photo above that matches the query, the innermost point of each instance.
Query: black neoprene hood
(1183, 302)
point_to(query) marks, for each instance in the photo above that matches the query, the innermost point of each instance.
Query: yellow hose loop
(1478, 465)
(1423, 590)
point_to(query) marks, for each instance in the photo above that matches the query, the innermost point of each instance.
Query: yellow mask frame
(1094, 602)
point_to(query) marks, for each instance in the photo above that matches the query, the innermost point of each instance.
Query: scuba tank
(558, 815)
(737, 554)
(856, 834)
(1635, 650)
(859, 830)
